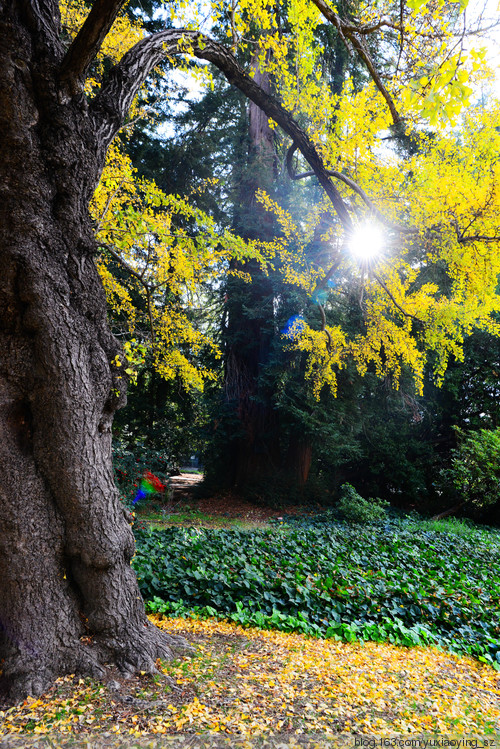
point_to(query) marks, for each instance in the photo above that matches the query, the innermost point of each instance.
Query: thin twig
(150, 289)
(396, 304)
(325, 329)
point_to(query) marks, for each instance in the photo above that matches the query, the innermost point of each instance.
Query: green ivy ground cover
(395, 581)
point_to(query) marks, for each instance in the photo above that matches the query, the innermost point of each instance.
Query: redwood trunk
(255, 453)
(69, 600)
(299, 459)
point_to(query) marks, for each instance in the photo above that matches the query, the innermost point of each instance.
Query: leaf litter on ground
(246, 682)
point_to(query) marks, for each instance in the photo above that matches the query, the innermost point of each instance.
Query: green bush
(353, 508)
(475, 468)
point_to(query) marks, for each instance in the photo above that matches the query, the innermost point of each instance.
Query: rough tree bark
(254, 453)
(69, 601)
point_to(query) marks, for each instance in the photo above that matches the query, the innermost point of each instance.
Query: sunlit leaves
(244, 684)
(433, 286)
(443, 92)
(169, 249)
(326, 353)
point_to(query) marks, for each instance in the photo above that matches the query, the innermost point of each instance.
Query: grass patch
(397, 581)
(456, 527)
(189, 517)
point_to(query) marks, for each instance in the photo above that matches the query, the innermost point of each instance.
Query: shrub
(355, 509)
(475, 467)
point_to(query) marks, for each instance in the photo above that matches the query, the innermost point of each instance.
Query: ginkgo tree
(431, 81)
(69, 601)
(168, 249)
(166, 246)
(293, 60)
(433, 281)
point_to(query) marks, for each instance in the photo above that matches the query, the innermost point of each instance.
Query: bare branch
(353, 185)
(382, 23)
(353, 33)
(111, 104)
(447, 513)
(87, 44)
(401, 33)
(360, 47)
(336, 22)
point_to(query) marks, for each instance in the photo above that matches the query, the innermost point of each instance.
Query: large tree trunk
(254, 453)
(69, 600)
(298, 459)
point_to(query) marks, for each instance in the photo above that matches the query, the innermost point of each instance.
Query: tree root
(132, 652)
(140, 650)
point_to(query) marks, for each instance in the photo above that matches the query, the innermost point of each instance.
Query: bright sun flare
(366, 241)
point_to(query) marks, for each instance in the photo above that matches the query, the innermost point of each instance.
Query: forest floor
(224, 510)
(244, 683)
(244, 686)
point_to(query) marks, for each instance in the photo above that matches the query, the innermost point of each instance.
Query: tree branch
(87, 44)
(352, 32)
(449, 512)
(148, 289)
(478, 238)
(350, 183)
(117, 92)
(324, 329)
(395, 303)
(360, 47)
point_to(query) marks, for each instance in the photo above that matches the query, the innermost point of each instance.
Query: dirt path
(184, 484)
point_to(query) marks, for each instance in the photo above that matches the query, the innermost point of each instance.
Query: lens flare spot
(294, 326)
(366, 242)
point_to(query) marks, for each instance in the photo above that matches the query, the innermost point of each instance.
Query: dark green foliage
(470, 398)
(394, 444)
(162, 415)
(354, 508)
(393, 439)
(281, 490)
(389, 581)
(475, 468)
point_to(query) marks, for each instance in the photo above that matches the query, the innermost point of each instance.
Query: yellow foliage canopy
(170, 249)
(436, 280)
